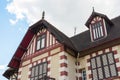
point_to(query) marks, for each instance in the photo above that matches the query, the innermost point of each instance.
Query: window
(97, 30)
(84, 75)
(40, 42)
(103, 66)
(39, 71)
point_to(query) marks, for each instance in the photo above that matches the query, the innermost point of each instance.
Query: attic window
(41, 42)
(97, 30)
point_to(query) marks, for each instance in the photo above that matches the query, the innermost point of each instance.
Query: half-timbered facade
(45, 53)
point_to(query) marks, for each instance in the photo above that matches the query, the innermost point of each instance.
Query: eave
(99, 47)
(9, 72)
(22, 48)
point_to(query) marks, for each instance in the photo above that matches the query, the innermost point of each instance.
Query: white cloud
(64, 14)
(2, 67)
(13, 21)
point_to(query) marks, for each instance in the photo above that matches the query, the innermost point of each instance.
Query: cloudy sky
(17, 15)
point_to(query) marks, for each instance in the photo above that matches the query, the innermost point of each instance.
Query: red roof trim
(15, 61)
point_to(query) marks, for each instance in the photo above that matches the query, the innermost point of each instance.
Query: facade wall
(71, 67)
(54, 68)
(50, 42)
(51, 56)
(84, 62)
(61, 65)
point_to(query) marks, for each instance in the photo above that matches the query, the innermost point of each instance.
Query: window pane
(110, 58)
(36, 71)
(113, 70)
(93, 63)
(94, 34)
(43, 43)
(44, 75)
(83, 75)
(38, 44)
(104, 59)
(96, 29)
(40, 76)
(40, 69)
(32, 79)
(101, 30)
(95, 75)
(100, 73)
(36, 78)
(98, 62)
(107, 73)
(45, 68)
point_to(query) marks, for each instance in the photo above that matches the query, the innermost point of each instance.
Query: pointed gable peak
(94, 14)
(61, 37)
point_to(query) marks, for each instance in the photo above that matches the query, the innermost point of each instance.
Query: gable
(49, 42)
(54, 36)
(97, 16)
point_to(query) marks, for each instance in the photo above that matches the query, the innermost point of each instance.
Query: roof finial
(93, 9)
(75, 28)
(43, 14)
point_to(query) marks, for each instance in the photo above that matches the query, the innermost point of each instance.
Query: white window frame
(97, 30)
(41, 42)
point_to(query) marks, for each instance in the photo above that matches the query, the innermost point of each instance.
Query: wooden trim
(32, 56)
(42, 51)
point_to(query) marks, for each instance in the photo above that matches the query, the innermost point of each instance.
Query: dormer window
(97, 30)
(99, 25)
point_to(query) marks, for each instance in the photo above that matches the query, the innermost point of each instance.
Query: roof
(9, 72)
(62, 38)
(77, 43)
(83, 40)
(94, 14)
(15, 61)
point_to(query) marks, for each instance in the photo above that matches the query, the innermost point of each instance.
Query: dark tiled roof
(82, 41)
